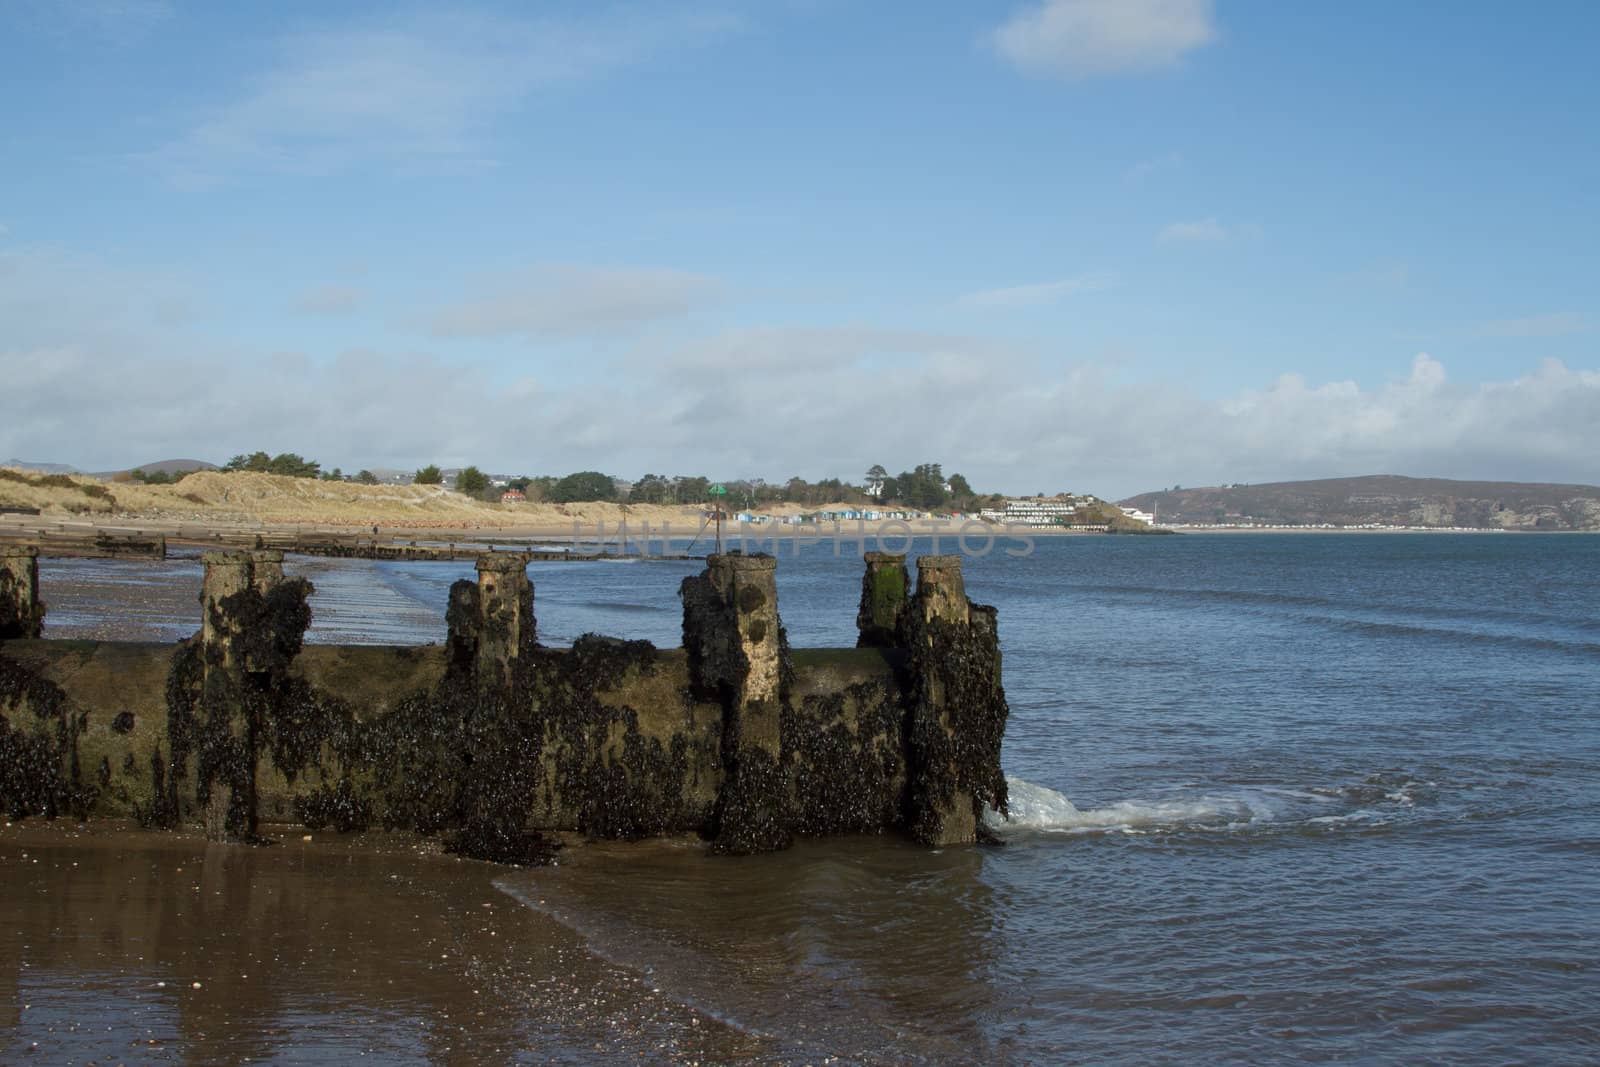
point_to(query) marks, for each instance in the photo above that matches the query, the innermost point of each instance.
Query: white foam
(1040, 809)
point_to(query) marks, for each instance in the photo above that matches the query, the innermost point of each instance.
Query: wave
(1476, 613)
(1381, 801)
(1478, 637)
(1039, 809)
(1478, 624)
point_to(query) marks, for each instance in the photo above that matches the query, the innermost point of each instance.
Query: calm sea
(1299, 798)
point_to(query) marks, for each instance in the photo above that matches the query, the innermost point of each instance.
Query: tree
(923, 487)
(335, 475)
(651, 489)
(429, 475)
(366, 477)
(959, 487)
(540, 488)
(832, 490)
(293, 465)
(471, 481)
(259, 462)
(695, 490)
(875, 479)
(290, 464)
(584, 486)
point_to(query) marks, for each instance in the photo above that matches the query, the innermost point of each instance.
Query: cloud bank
(98, 375)
(552, 300)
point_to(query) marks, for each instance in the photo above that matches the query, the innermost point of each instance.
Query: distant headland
(1379, 501)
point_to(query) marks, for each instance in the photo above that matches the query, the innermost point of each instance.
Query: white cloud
(417, 90)
(94, 379)
(1085, 38)
(1557, 324)
(1207, 229)
(330, 300)
(568, 301)
(1027, 295)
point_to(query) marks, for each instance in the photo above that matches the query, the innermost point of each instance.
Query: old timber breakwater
(493, 741)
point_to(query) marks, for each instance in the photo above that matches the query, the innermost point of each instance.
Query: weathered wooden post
(958, 712)
(736, 652)
(248, 635)
(885, 587)
(227, 765)
(941, 591)
(226, 573)
(21, 610)
(505, 615)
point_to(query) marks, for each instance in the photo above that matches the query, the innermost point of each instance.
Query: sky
(1103, 246)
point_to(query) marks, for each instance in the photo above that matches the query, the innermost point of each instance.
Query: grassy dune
(212, 497)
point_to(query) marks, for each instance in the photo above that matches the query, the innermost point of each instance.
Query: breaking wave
(1039, 809)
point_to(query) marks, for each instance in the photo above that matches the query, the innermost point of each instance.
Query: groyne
(78, 540)
(494, 740)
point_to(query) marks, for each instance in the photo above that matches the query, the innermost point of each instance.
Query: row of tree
(924, 487)
(288, 464)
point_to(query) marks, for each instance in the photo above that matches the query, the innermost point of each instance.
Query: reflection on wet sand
(163, 949)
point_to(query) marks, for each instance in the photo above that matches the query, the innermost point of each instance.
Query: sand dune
(215, 497)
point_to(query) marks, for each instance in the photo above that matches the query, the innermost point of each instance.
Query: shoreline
(602, 532)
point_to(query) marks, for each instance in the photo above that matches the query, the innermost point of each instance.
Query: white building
(1036, 513)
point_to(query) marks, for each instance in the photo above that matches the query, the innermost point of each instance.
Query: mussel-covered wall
(492, 740)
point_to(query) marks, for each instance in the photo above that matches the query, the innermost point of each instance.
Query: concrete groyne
(494, 740)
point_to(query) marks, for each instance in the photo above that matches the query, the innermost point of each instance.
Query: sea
(1274, 798)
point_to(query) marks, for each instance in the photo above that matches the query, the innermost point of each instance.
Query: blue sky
(1105, 245)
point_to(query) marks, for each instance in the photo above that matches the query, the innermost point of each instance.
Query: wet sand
(148, 600)
(120, 600)
(122, 945)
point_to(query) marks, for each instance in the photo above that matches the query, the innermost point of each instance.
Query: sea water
(1273, 798)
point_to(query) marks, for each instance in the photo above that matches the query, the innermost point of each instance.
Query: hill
(40, 468)
(171, 466)
(1382, 499)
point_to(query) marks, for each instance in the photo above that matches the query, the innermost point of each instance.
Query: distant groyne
(492, 739)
